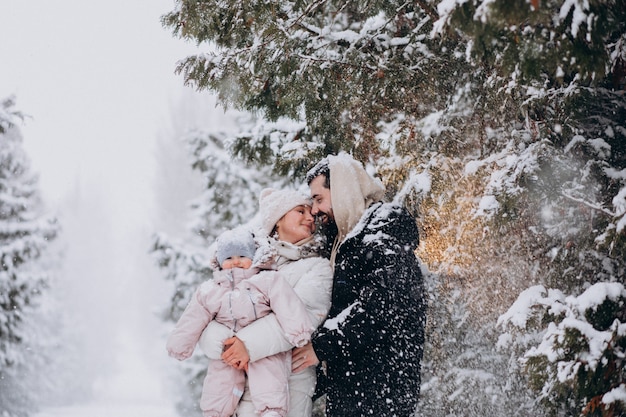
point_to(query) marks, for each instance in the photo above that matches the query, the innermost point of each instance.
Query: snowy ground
(135, 389)
(122, 358)
(110, 410)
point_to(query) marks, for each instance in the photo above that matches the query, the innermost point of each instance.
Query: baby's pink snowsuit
(236, 297)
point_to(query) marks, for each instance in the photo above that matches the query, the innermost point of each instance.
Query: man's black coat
(372, 341)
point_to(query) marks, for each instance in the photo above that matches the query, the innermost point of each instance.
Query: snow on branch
(8, 115)
(418, 182)
(580, 346)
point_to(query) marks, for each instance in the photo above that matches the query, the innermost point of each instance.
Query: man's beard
(322, 219)
(327, 227)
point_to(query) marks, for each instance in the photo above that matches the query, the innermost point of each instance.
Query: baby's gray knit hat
(235, 243)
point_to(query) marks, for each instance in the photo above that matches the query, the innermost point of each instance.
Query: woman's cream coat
(311, 278)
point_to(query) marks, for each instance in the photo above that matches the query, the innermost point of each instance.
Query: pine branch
(432, 13)
(590, 204)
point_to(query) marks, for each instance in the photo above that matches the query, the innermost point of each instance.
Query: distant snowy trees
(25, 234)
(501, 124)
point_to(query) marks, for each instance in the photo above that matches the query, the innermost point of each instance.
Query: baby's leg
(222, 390)
(269, 388)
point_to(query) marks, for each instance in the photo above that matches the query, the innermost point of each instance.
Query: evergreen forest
(501, 125)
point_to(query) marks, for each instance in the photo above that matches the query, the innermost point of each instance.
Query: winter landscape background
(500, 125)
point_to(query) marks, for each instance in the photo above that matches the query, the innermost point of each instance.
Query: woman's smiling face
(296, 224)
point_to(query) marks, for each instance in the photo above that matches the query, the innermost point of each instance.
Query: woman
(286, 218)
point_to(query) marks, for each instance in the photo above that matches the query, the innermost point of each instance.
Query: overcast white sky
(97, 78)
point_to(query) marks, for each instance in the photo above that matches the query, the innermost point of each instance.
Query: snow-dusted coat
(311, 278)
(372, 341)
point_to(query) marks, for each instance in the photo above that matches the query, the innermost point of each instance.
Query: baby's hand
(181, 356)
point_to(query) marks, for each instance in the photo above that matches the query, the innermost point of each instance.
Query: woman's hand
(235, 353)
(303, 357)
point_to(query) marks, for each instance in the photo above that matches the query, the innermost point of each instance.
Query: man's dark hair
(321, 168)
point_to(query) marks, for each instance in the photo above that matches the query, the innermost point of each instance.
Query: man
(372, 341)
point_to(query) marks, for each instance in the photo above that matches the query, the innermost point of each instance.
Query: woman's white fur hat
(274, 204)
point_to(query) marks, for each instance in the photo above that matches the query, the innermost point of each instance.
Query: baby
(242, 290)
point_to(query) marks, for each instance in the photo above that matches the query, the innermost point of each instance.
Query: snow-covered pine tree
(564, 194)
(339, 68)
(25, 233)
(575, 358)
(555, 42)
(513, 111)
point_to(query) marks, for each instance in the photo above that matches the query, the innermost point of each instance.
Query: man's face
(322, 206)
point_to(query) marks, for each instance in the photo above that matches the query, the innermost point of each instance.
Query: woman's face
(296, 224)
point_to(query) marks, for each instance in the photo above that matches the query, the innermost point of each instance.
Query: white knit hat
(274, 204)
